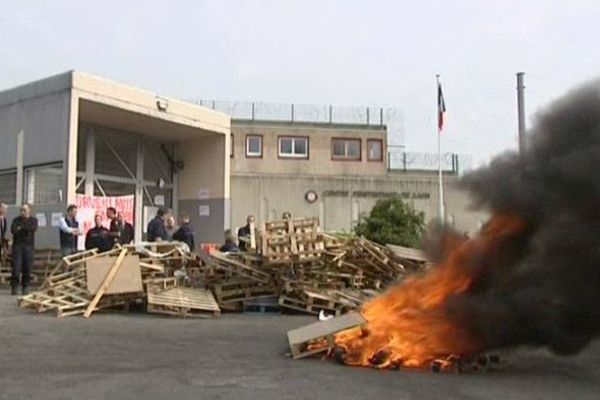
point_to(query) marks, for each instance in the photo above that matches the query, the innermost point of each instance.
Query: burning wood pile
(90, 281)
(413, 324)
(304, 269)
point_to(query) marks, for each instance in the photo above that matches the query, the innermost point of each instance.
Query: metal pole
(521, 110)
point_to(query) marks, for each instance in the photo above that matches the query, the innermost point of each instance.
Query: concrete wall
(45, 124)
(341, 200)
(319, 140)
(204, 185)
(41, 110)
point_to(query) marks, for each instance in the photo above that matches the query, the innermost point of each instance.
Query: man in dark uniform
(3, 229)
(230, 245)
(69, 230)
(23, 230)
(97, 237)
(127, 232)
(185, 233)
(114, 229)
(156, 228)
(244, 233)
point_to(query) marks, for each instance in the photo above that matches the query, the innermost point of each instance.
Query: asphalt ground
(239, 356)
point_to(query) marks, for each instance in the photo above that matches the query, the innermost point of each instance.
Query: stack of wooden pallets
(90, 281)
(295, 267)
(305, 269)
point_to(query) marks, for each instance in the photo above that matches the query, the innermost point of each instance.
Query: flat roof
(117, 98)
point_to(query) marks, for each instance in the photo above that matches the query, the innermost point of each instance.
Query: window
(345, 149)
(375, 150)
(43, 185)
(253, 146)
(8, 187)
(293, 147)
(231, 147)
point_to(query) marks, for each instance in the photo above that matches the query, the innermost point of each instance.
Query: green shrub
(393, 221)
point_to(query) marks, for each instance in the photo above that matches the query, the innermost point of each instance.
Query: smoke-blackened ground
(544, 287)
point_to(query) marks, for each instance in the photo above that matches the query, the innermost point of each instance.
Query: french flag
(441, 107)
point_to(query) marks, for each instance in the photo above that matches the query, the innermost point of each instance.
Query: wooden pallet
(292, 241)
(241, 291)
(239, 269)
(322, 332)
(183, 302)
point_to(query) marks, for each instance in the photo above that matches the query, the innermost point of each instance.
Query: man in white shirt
(69, 230)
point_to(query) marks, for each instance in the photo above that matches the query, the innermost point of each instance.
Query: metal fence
(399, 160)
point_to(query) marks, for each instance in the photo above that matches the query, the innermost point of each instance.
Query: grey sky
(346, 52)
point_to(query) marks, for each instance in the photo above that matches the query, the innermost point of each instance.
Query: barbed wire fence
(391, 118)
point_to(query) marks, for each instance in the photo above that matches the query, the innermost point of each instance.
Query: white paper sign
(203, 194)
(204, 211)
(55, 218)
(159, 200)
(41, 219)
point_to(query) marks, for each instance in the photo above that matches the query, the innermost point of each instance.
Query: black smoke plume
(543, 287)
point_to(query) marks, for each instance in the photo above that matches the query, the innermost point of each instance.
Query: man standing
(156, 227)
(126, 230)
(114, 229)
(244, 233)
(170, 226)
(97, 237)
(23, 230)
(69, 230)
(185, 233)
(3, 229)
(230, 245)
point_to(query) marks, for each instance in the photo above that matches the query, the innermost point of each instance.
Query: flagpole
(439, 143)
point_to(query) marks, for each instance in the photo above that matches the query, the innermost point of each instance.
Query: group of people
(161, 228)
(119, 231)
(98, 237)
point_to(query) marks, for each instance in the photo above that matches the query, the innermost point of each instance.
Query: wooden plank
(105, 284)
(407, 253)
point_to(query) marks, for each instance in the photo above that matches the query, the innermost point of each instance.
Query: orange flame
(407, 326)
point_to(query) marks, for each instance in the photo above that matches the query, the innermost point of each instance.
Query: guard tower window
(345, 149)
(253, 146)
(293, 147)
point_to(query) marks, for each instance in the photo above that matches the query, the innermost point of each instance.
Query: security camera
(162, 104)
